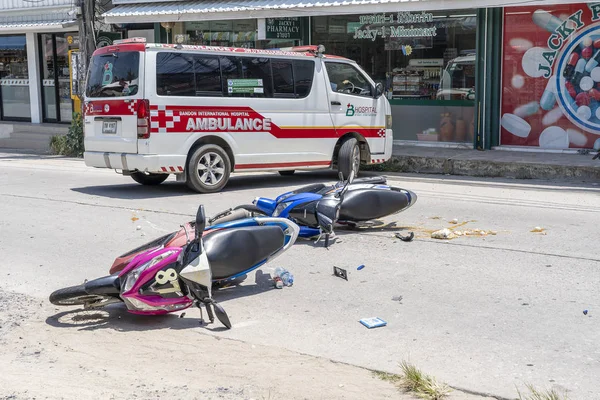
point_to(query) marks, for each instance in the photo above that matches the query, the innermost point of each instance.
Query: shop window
(283, 78)
(113, 75)
(304, 71)
(424, 60)
(14, 78)
(175, 74)
(208, 76)
(344, 78)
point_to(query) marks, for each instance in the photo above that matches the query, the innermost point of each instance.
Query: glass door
(48, 77)
(56, 99)
(62, 72)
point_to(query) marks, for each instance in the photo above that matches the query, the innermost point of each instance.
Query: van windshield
(113, 74)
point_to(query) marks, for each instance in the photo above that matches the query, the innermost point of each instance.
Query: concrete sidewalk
(494, 163)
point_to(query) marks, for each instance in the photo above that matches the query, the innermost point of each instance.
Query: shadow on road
(237, 182)
(116, 316)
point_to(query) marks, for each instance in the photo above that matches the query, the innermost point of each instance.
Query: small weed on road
(535, 394)
(415, 381)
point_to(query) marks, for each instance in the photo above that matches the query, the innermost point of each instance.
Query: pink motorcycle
(167, 279)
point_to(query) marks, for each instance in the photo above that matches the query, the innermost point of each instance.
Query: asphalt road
(481, 313)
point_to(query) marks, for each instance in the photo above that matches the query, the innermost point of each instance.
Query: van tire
(287, 173)
(149, 179)
(349, 158)
(221, 169)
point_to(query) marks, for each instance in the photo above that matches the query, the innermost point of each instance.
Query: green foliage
(70, 145)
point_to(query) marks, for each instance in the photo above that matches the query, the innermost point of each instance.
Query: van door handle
(336, 103)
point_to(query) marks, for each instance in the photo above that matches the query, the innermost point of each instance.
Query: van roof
(300, 51)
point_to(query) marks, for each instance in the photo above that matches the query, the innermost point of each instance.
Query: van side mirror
(378, 90)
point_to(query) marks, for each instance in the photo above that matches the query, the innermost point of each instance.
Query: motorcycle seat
(314, 188)
(233, 251)
(373, 180)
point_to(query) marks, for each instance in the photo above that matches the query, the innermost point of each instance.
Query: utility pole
(86, 15)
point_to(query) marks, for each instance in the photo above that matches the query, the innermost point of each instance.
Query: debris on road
(139, 227)
(285, 276)
(340, 273)
(538, 229)
(585, 312)
(398, 299)
(373, 322)
(278, 282)
(454, 221)
(443, 234)
(360, 267)
(405, 238)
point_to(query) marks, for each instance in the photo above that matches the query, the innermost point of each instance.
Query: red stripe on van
(286, 164)
(174, 119)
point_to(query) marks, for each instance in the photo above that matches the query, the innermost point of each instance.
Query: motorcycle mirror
(222, 315)
(351, 176)
(200, 221)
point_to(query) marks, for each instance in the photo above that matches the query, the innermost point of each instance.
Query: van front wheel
(149, 179)
(208, 169)
(349, 158)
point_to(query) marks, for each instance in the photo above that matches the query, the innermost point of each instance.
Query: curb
(487, 168)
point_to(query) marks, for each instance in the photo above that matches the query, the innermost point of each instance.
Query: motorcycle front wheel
(75, 296)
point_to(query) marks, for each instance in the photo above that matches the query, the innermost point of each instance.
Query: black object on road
(340, 273)
(407, 238)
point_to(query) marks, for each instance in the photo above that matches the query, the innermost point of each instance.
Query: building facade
(457, 73)
(35, 39)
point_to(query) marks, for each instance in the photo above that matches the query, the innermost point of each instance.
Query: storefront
(454, 76)
(34, 41)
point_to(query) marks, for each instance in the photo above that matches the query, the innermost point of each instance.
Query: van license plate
(109, 127)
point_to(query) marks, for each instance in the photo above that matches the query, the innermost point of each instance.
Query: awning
(45, 22)
(12, 42)
(242, 9)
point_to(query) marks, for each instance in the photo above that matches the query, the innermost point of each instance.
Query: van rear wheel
(149, 179)
(208, 169)
(349, 158)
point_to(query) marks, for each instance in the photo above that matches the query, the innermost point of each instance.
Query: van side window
(304, 71)
(232, 76)
(175, 74)
(345, 78)
(208, 76)
(246, 77)
(259, 70)
(283, 78)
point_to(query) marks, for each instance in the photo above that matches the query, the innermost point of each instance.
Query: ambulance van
(203, 112)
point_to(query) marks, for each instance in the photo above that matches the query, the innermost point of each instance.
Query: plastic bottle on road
(286, 277)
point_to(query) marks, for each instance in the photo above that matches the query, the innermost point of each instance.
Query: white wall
(33, 69)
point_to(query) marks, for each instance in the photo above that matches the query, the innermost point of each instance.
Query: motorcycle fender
(105, 285)
(198, 271)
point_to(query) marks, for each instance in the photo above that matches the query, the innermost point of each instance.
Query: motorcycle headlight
(280, 207)
(134, 275)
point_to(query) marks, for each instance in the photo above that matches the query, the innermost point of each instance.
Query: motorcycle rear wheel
(75, 296)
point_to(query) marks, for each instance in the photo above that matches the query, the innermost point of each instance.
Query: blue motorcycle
(317, 208)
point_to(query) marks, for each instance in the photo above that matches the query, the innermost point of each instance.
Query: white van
(203, 112)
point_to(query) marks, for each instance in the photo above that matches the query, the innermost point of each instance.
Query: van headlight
(388, 121)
